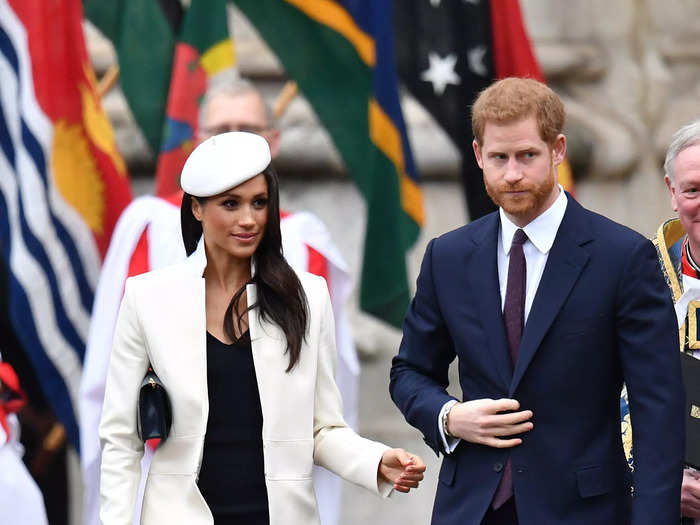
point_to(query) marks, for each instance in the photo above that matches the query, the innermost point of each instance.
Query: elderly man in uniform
(678, 246)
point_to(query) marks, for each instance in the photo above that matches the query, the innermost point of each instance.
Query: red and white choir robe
(21, 500)
(148, 237)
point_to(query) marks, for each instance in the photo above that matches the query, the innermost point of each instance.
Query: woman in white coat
(246, 351)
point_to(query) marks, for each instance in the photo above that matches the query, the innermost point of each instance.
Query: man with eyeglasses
(148, 237)
(237, 106)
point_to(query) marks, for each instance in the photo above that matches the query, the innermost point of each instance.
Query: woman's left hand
(402, 469)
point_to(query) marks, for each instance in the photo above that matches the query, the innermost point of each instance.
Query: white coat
(162, 321)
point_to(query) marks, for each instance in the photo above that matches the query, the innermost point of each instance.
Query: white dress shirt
(541, 233)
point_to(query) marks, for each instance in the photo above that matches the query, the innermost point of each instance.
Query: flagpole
(108, 80)
(289, 91)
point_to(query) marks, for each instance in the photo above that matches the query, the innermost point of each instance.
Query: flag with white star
(448, 51)
(444, 59)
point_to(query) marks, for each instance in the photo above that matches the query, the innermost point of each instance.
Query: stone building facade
(628, 71)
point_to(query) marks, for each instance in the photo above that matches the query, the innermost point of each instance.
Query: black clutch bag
(155, 415)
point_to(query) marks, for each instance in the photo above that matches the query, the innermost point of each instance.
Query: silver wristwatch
(445, 415)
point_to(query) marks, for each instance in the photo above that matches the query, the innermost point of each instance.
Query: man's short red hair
(513, 99)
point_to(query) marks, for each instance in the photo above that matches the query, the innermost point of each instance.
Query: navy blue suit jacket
(602, 315)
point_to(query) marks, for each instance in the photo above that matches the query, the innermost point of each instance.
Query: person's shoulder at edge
(310, 229)
(314, 285)
(308, 218)
(146, 202)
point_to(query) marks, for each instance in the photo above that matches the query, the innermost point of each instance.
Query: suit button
(497, 467)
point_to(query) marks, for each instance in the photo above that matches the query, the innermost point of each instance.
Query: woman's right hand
(401, 469)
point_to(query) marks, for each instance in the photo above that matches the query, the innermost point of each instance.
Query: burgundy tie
(514, 318)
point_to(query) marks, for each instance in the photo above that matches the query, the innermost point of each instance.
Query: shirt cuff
(448, 443)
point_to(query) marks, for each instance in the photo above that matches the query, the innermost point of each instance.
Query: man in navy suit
(548, 307)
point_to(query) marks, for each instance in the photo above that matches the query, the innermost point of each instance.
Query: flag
(448, 51)
(63, 185)
(167, 57)
(340, 53)
(204, 50)
(143, 33)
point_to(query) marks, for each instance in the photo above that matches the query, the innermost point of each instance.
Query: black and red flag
(448, 51)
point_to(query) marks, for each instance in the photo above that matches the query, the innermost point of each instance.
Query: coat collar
(483, 280)
(197, 261)
(566, 260)
(195, 265)
(268, 344)
(668, 241)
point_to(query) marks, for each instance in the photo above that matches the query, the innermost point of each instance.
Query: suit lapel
(564, 265)
(187, 311)
(270, 360)
(484, 276)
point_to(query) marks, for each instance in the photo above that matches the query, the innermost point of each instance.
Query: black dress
(231, 478)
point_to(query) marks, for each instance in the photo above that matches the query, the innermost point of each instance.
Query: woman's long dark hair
(281, 298)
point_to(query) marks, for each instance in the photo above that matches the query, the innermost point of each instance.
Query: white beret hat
(224, 161)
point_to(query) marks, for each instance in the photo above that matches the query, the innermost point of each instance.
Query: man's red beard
(531, 201)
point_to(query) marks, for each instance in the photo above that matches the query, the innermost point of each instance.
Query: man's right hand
(483, 421)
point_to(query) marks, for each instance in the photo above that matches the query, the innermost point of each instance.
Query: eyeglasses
(224, 128)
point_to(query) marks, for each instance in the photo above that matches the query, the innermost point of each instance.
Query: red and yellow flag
(63, 185)
(86, 166)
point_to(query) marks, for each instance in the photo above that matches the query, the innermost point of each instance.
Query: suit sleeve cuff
(448, 443)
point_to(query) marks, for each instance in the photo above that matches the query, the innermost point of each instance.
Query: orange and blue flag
(340, 53)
